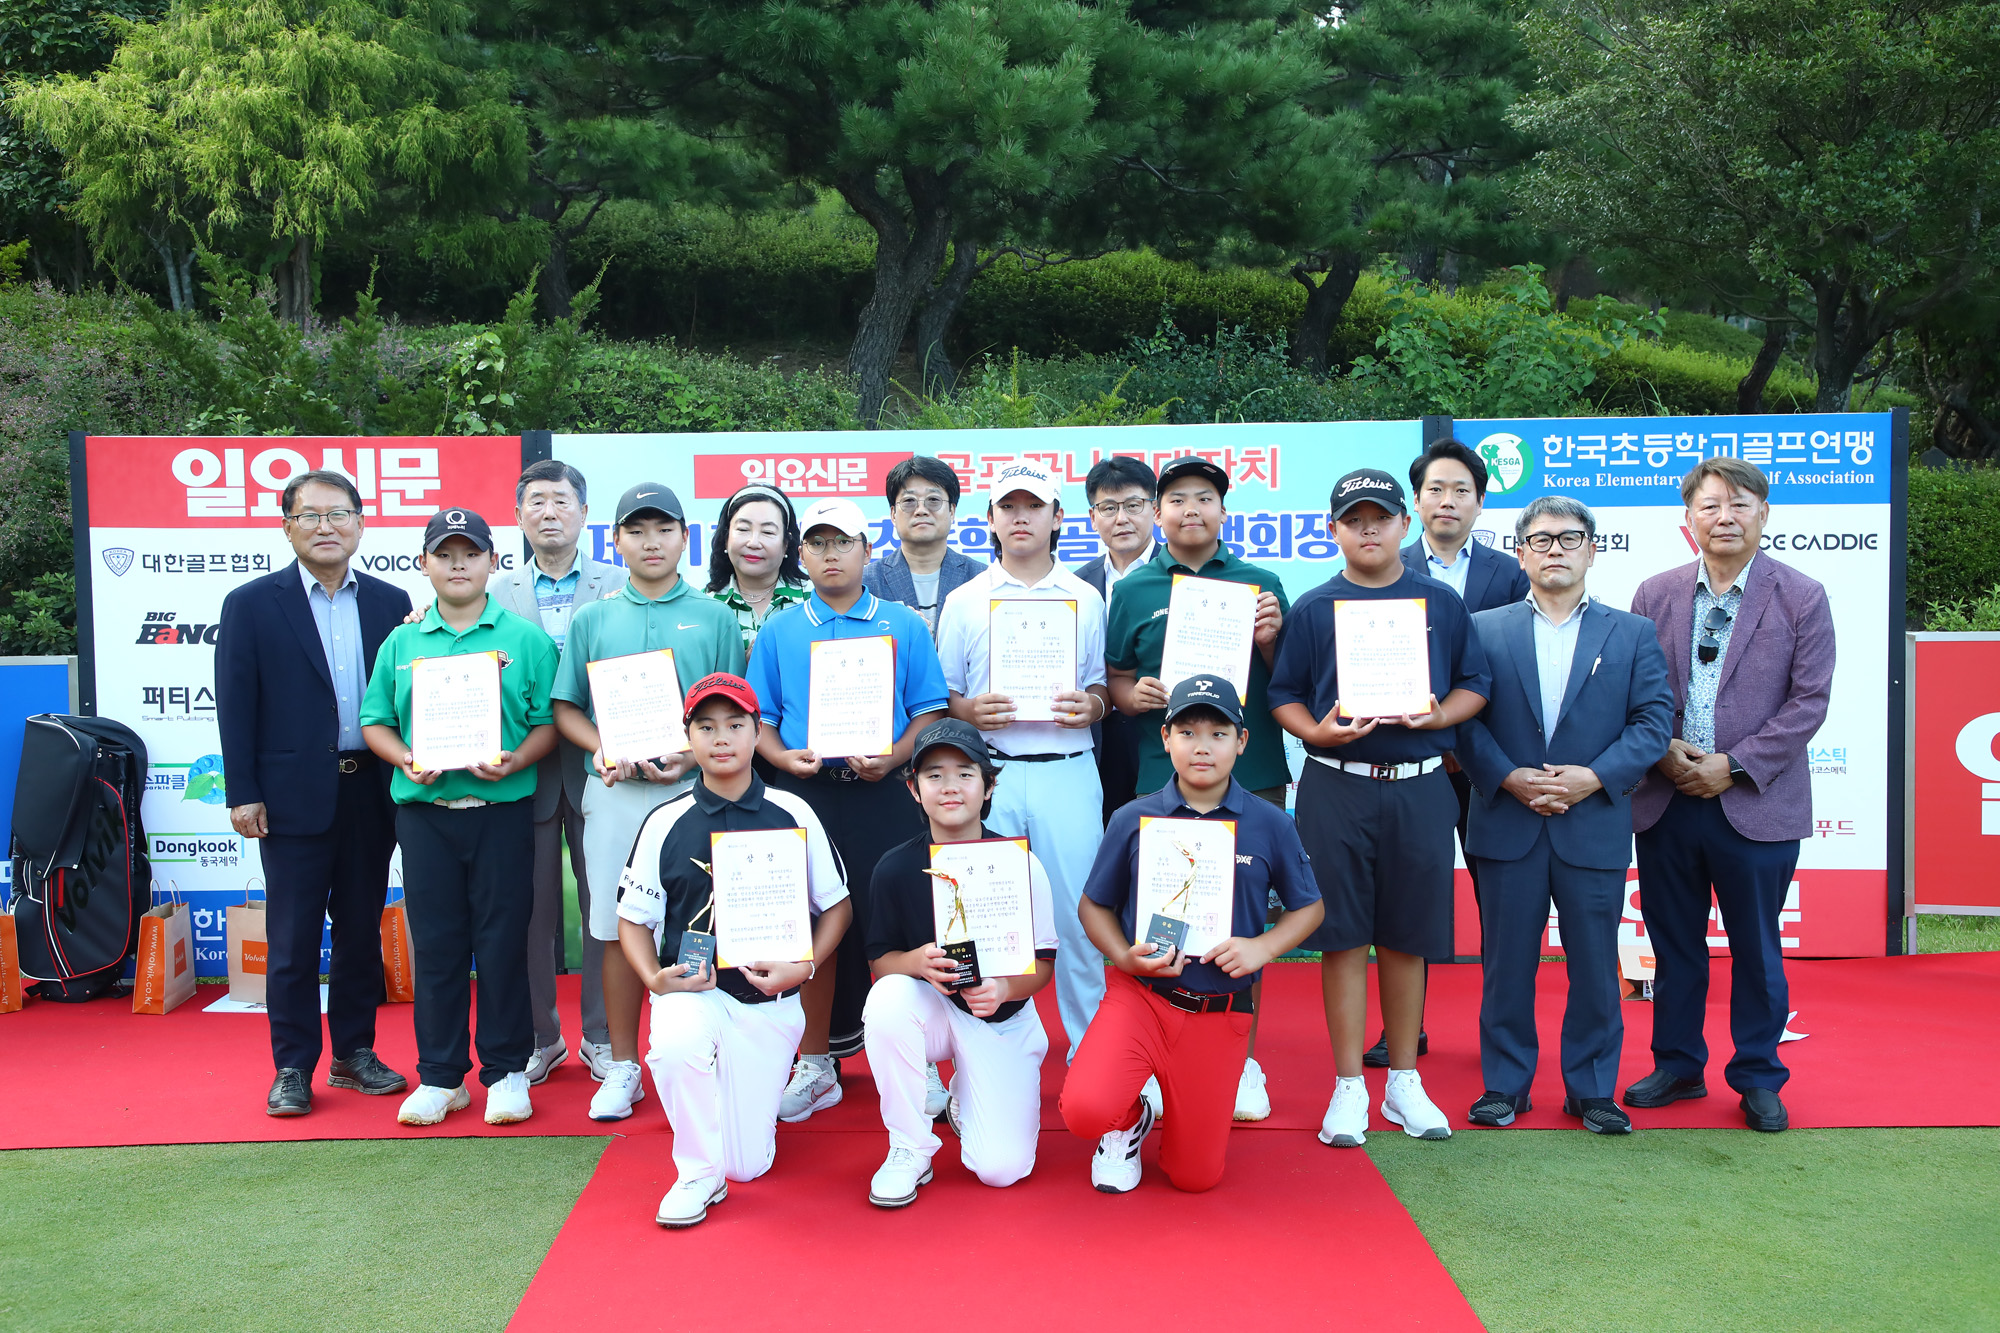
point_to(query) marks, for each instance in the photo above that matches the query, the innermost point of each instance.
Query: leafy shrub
(1954, 541)
(661, 387)
(40, 620)
(1972, 613)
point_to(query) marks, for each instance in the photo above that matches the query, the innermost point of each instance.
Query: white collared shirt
(1453, 574)
(1555, 655)
(964, 630)
(1112, 573)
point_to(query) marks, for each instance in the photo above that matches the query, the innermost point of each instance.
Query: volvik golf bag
(81, 875)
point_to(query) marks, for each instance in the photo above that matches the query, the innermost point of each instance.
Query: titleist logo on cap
(1353, 484)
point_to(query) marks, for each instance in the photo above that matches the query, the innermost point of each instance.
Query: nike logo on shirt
(678, 625)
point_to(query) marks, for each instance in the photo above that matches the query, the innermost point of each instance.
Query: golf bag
(81, 873)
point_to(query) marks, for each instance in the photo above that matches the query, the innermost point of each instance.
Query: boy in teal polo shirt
(656, 608)
(468, 835)
(1188, 503)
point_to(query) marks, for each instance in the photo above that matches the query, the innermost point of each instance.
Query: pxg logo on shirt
(161, 627)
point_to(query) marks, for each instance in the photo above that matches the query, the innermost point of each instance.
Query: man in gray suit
(1580, 711)
(550, 504)
(923, 570)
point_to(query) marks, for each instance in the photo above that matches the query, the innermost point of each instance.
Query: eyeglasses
(1130, 508)
(1540, 542)
(838, 545)
(930, 504)
(1710, 647)
(312, 518)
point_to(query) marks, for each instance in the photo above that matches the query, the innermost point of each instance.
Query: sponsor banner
(1954, 773)
(175, 525)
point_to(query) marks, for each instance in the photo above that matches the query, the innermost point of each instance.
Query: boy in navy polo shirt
(864, 814)
(1182, 1019)
(1375, 806)
(722, 1040)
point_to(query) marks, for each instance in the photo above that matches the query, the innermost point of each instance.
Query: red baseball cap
(733, 688)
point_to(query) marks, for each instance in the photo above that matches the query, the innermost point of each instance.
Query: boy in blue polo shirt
(1183, 1020)
(1375, 806)
(468, 835)
(864, 815)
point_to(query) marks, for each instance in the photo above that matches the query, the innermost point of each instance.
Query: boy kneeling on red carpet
(722, 1038)
(1183, 1018)
(914, 1017)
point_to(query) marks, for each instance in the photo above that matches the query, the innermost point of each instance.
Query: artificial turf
(1711, 1229)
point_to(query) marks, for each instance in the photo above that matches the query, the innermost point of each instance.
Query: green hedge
(1954, 537)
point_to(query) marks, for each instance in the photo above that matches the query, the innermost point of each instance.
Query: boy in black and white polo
(1375, 807)
(722, 1041)
(990, 1032)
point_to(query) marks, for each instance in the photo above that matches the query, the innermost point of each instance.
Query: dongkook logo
(1509, 463)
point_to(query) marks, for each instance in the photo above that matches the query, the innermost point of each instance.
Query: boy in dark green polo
(468, 835)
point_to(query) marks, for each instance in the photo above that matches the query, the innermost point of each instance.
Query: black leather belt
(1037, 758)
(828, 773)
(1204, 1002)
(353, 761)
(759, 997)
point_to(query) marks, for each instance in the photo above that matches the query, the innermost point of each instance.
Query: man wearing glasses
(1749, 644)
(292, 661)
(923, 504)
(1580, 710)
(1120, 491)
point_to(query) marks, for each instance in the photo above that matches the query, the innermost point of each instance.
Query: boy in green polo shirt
(468, 835)
(1188, 504)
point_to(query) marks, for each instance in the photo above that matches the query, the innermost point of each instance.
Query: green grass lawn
(1957, 934)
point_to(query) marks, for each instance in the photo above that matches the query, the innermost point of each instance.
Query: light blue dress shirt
(556, 599)
(1555, 654)
(338, 619)
(1451, 575)
(1698, 720)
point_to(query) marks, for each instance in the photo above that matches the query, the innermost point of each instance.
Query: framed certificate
(1031, 653)
(1187, 872)
(455, 711)
(1210, 629)
(1382, 657)
(851, 698)
(762, 914)
(982, 891)
(637, 699)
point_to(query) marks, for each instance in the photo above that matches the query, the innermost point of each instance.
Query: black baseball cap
(1205, 468)
(1205, 692)
(960, 735)
(1367, 483)
(648, 495)
(456, 522)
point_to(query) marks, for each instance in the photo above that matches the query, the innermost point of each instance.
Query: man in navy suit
(1581, 709)
(292, 661)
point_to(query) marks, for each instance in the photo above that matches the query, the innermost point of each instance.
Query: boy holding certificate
(731, 898)
(954, 899)
(1177, 901)
(846, 680)
(655, 609)
(464, 741)
(1023, 652)
(1377, 671)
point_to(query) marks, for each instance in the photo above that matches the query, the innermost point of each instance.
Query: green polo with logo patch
(1135, 638)
(528, 662)
(702, 632)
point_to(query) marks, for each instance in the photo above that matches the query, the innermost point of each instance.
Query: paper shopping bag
(165, 976)
(399, 966)
(249, 950)
(12, 995)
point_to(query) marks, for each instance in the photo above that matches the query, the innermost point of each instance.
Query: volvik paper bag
(249, 951)
(165, 975)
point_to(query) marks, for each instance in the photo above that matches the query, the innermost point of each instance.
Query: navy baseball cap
(647, 495)
(1205, 692)
(1207, 469)
(457, 522)
(1366, 484)
(960, 735)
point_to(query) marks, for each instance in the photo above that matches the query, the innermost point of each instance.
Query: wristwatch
(1737, 773)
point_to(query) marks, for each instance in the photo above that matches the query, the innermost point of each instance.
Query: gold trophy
(957, 941)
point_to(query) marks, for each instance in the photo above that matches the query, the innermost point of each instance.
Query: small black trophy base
(965, 955)
(698, 949)
(1170, 933)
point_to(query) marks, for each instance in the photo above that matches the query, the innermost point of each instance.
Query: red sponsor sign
(228, 481)
(809, 474)
(1955, 799)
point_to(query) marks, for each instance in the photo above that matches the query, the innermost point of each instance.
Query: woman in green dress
(753, 561)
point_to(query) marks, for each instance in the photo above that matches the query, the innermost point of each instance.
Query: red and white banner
(1954, 717)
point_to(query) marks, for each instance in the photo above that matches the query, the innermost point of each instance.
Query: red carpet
(803, 1247)
(192, 1077)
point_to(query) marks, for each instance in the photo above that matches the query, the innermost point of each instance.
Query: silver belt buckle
(350, 765)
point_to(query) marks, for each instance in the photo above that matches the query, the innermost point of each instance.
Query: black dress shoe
(1496, 1110)
(1660, 1088)
(291, 1093)
(1763, 1111)
(364, 1073)
(1377, 1056)
(1600, 1115)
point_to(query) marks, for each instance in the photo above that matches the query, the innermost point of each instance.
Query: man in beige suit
(550, 506)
